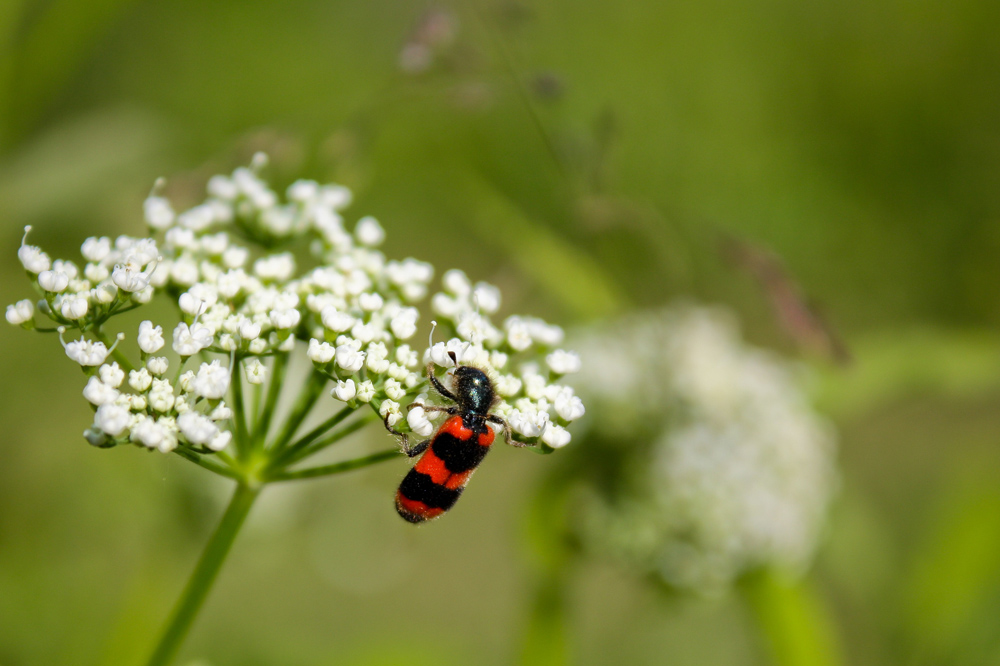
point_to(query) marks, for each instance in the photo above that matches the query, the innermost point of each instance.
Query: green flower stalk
(257, 278)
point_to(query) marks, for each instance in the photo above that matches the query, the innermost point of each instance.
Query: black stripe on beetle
(420, 488)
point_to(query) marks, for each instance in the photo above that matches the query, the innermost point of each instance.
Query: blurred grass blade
(566, 272)
(54, 49)
(10, 17)
(84, 161)
(793, 619)
(899, 363)
(955, 576)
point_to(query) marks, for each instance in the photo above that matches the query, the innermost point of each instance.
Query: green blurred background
(589, 158)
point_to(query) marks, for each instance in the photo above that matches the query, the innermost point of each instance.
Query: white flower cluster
(522, 356)
(116, 276)
(252, 275)
(740, 471)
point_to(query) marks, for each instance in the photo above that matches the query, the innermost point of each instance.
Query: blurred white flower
(742, 471)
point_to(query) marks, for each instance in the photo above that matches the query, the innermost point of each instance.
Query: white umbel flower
(159, 213)
(20, 312)
(131, 277)
(112, 375)
(518, 334)
(320, 352)
(53, 281)
(556, 436)
(349, 358)
(87, 352)
(32, 258)
(140, 380)
(338, 292)
(369, 232)
(161, 396)
(389, 410)
(249, 330)
(366, 391)
(212, 381)
(98, 393)
(112, 419)
(394, 389)
(192, 339)
(569, 407)
(74, 307)
(417, 419)
(345, 390)
(563, 362)
(197, 428)
(158, 365)
(337, 321)
(150, 337)
(96, 249)
(154, 434)
(256, 371)
(530, 423)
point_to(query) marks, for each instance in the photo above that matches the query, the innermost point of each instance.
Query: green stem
(207, 464)
(307, 399)
(793, 618)
(116, 353)
(313, 435)
(327, 441)
(335, 468)
(204, 575)
(258, 396)
(273, 390)
(239, 407)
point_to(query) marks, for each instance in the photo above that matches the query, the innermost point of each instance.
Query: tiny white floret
(150, 337)
(320, 352)
(417, 419)
(256, 371)
(212, 381)
(556, 436)
(369, 232)
(53, 281)
(366, 391)
(112, 419)
(112, 375)
(389, 411)
(345, 390)
(140, 379)
(394, 389)
(98, 393)
(20, 312)
(197, 428)
(158, 365)
(563, 362)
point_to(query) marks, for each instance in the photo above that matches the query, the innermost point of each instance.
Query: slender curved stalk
(115, 352)
(325, 442)
(207, 464)
(239, 407)
(292, 450)
(204, 575)
(307, 399)
(335, 468)
(263, 423)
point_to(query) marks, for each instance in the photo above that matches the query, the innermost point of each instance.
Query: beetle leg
(438, 386)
